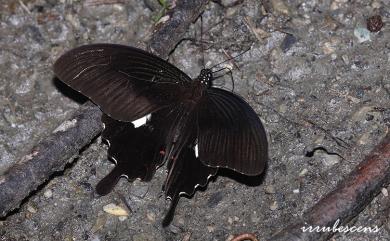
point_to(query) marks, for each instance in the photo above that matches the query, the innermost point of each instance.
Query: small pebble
(95, 238)
(364, 139)
(374, 23)
(303, 172)
(151, 216)
(280, 6)
(369, 117)
(330, 160)
(174, 229)
(362, 34)
(330, 23)
(296, 191)
(227, 2)
(163, 19)
(260, 33)
(230, 237)
(362, 113)
(180, 221)
(283, 108)
(115, 210)
(274, 206)
(385, 192)
(270, 189)
(336, 4)
(328, 48)
(345, 59)
(48, 193)
(187, 237)
(99, 223)
(288, 42)
(65, 126)
(376, 4)
(31, 209)
(210, 229)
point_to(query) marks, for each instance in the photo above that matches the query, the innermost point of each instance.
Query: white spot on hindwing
(196, 150)
(141, 121)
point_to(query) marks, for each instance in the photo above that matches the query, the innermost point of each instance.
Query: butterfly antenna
(201, 40)
(231, 77)
(229, 71)
(238, 55)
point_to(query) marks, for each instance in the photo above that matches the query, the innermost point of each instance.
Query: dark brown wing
(134, 150)
(230, 134)
(127, 83)
(185, 174)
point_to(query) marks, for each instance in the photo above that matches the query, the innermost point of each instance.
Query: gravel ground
(316, 76)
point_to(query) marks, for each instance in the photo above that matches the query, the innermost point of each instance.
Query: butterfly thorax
(205, 77)
(197, 87)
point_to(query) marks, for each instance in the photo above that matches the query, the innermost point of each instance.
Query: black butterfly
(187, 116)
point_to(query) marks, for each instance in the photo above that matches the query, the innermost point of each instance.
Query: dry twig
(347, 200)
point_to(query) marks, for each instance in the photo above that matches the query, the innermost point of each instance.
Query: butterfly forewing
(230, 134)
(127, 83)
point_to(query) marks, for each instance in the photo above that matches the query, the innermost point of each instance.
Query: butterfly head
(206, 77)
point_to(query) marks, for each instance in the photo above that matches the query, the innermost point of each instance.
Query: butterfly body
(128, 83)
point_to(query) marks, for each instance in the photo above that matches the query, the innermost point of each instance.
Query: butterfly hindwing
(230, 134)
(133, 149)
(185, 174)
(127, 83)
